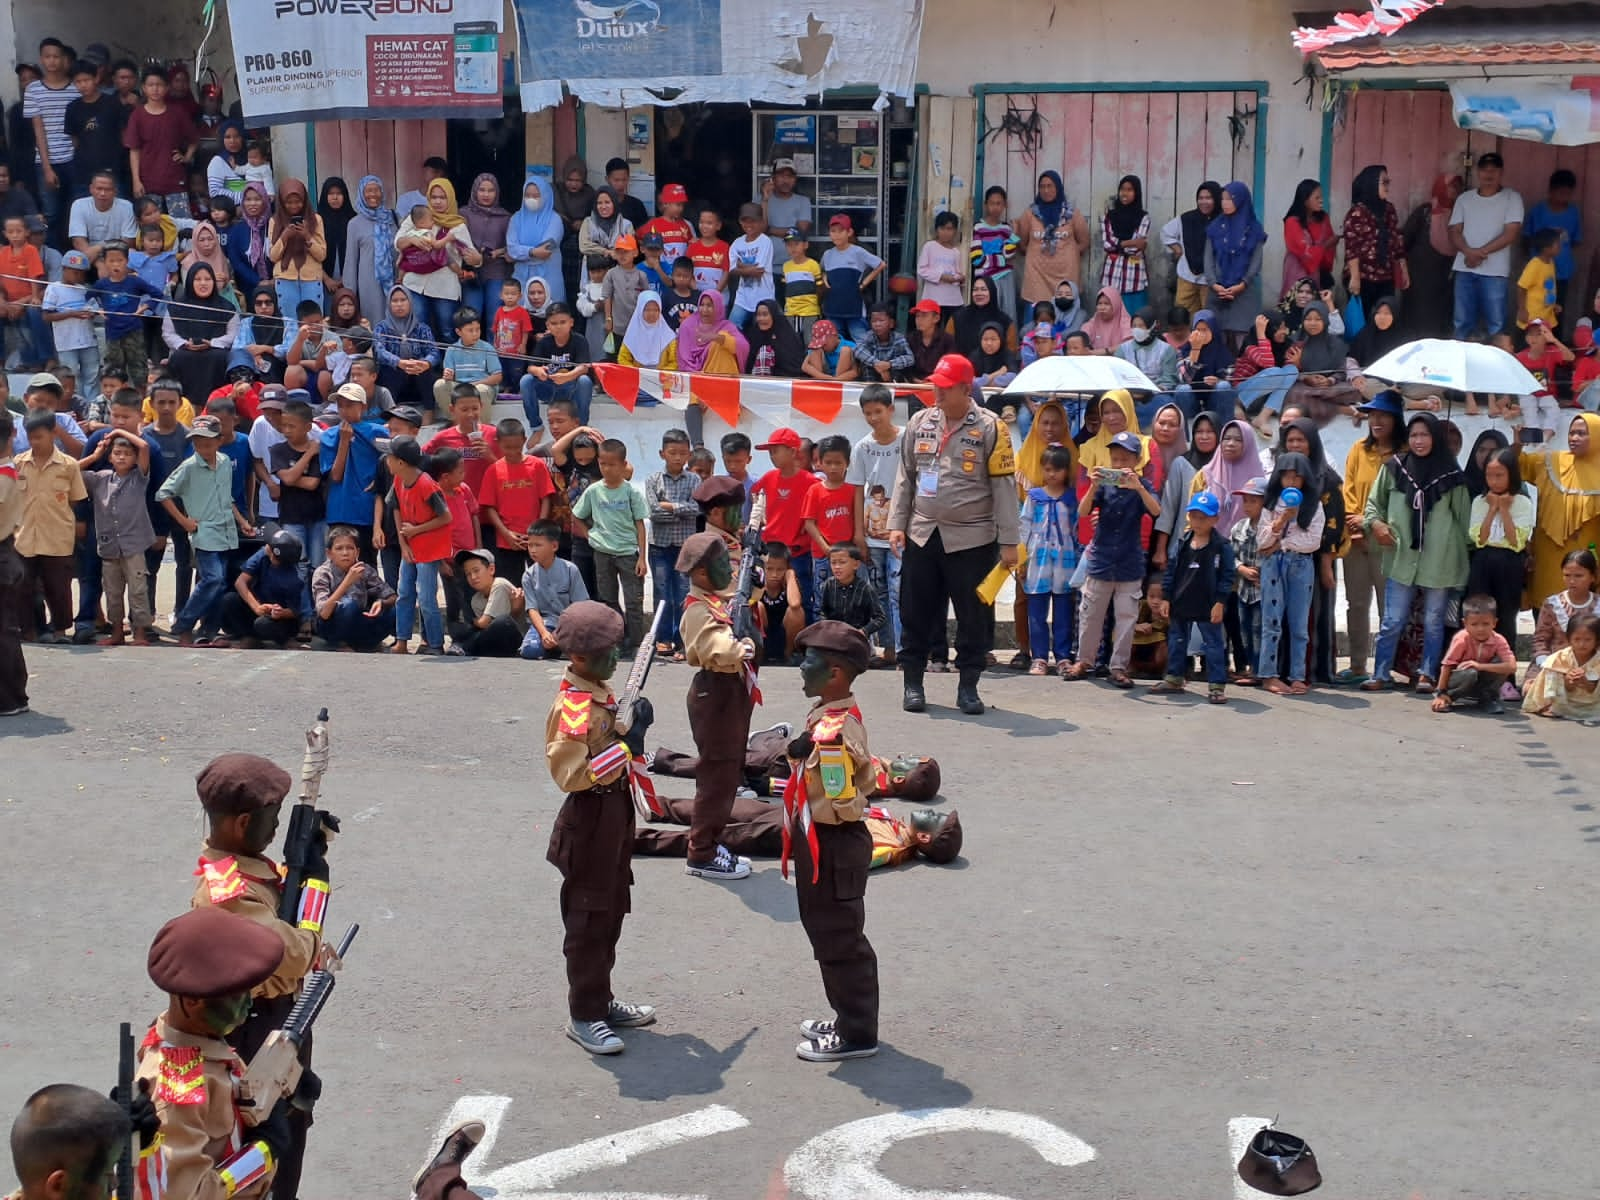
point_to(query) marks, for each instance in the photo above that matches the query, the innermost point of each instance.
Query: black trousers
(239, 621)
(1498, 572)
(265, 1016)
(834, 913)
(15, 600)
(501, 638)
(927, 575)
(591, 844)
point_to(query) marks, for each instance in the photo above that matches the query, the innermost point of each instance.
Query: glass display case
(839, 159)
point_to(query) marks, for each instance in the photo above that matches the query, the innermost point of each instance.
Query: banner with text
(1557, 112)
(631, 52)
(325, 60)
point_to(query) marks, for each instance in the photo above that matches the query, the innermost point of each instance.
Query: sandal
(1039, 667)
(1376, 685)
(1424, 686)
(1170, 685)
(663, 649)
(1276, 687)
(1349, 678)
(1064, 669)
(1216, 695)
(1299, 687)
(1075, 670)
(1120, 679)
(1245, 679)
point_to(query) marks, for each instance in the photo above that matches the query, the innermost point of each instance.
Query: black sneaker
(968, 701)
(830, 1047)
(915, 699)
(816, 1029)
(630, 1016)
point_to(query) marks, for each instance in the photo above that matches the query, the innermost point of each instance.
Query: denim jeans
(1216, 650)
(1264, 391)
(1479, 298)
(1287, 581)
(1397, 601)
(852, 329)
(1249, 616)
(90, 586)
(311, 538)
(55, 202)
(292, 291)
(34, 344)
(483, 295)
(537, 392)
(884, 572)
(533, 645)
(84, 365)
(350, 626)
(438, 313)
(1050, 620)
(211, 569)
(740, 316)
(1192, 401)
(419, 583)
(669, 587)
(803, 566)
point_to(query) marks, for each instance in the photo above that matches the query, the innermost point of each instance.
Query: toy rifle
(305, 896)
(644, 800)
(275, 1070)
(744, 620)
(125, 1095)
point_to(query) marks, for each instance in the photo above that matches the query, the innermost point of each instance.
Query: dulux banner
(632, 52)
(1558, 112)
(319, 60)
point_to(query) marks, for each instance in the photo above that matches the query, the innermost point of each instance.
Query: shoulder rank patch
(223, 879)
(829, 728)
(181, 1076)
(1002, 461)
(575, 714)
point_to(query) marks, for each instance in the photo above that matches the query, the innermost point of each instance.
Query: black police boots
(967, 694)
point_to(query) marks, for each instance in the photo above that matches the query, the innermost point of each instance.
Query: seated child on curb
(783, 612)
(494, 622)
(264, 605)
(1569, 685)
(550, 586)
(354, 606)
(1478, 661)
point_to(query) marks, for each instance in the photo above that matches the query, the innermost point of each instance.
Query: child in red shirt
(245, 392)
(513, 326)
(830, 512)
(450, 469)
(1587, 368)
(1544, 355)
(422, 517)
(785, 489)
(670, 226)
(709, 253)
(515, 493)
(478, 443)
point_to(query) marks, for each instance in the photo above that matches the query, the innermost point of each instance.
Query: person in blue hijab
(1234, 244)
(533, 241)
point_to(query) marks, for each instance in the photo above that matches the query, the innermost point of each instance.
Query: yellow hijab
(450, 217)
(1096, 452)
(1574, 498)
(1030, 456)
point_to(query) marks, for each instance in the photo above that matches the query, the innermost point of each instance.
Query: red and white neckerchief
(718, 608)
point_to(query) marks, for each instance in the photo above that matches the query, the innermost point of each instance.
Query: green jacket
(1442, 561)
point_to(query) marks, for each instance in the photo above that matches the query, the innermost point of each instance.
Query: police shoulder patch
(575, 708)
(223, 879)
(1001, 460)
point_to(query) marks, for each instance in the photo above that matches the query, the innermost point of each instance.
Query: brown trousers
(765, 756)
(834, 913)
(754, 829)
(445, 1183)
(265, 1016)
(719, 717)
(52, 575)
(13, 602)
(591, 844)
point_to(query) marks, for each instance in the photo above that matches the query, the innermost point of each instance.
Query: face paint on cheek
(733, 517)
(226, 1013)
(720, 571)
(604, 666)
(814, 673)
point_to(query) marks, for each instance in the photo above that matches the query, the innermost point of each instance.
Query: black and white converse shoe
(782, 729)
(630, 1016)
(594, 1036)
(723, 865)
(830, 1047)
(816, 1029)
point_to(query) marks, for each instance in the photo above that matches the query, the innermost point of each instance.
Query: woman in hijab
(1568, 483)
(708, 344)
(1234, 244)
(534, 240)
(1323, 389)
(1125, 235)
(408, 353)
(335, 211)
(1151, 353)
(1049, 429)
(1263, 372)
(1300, 436)
(1117, 415)
(1418, 512)
(298, 248)
(225, 171)
(1052, 237)
(1373, 259)
(205, 246)
(775, 347)
(435, 286)
(486, 225)
(1381, 334)
(1363, 558)
(1234, 464)
(199, 329)
(263, 340)
(369, 256)
(1110, 325)
(1170, 441)
(573, 202)
(1185, 237)
(983, 310)
(1309, 243)
(649, 340)
(1203, 370)
(1489, 443)
(1430, 257)
(255, 210)
(604, 225)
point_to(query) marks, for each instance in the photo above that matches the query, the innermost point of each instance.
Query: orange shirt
(25, 263)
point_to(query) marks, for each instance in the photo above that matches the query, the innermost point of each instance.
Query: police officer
(954, 512)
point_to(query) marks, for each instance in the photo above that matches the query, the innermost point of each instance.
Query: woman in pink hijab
(1110, 325)
(708, 344)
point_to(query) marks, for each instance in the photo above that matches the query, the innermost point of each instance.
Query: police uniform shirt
(960, 482)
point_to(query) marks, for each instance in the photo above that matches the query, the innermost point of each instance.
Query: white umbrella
(1459, 366)
(1079, 373)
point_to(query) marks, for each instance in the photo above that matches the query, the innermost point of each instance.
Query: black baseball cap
(407, 449)
(1491, 159)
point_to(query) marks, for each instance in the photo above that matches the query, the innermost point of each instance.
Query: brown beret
(718, 492)
(210, 952)
(837, 638)
(919, 783)
(233, 784)
(699, 549)
(945, 844)
(588, 628)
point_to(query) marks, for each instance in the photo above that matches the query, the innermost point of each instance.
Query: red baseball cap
(839, 221)
(783, 436)
(953, 370)
(674, 193)
(925, 306)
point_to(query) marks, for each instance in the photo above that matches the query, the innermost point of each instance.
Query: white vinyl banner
(322, 60)
(1558, 112)
(629, 52)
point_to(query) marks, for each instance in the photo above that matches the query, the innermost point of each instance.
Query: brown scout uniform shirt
(975, 500)
(582, 724)
(830, 723)
(191, 1084)
(251, 887)
(708, 643)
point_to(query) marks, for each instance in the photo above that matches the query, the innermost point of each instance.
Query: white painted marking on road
(491, 1110)
(1240, 1131)
(842, 1164)
(547, 1170)
(366, 814)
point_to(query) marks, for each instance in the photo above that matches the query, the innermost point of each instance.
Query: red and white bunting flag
(1384, 18)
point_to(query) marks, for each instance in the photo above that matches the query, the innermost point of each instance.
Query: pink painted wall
(391, 150)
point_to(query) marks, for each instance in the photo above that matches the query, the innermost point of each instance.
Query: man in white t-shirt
(874, 464)
(1484, 225)
(100, 217)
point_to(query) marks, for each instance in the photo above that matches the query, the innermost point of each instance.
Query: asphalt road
(1371, 921)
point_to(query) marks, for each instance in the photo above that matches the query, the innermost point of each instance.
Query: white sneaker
(594, 1036)
(816, 1029)
(723, 866)
(830, 1047)
(745, 793)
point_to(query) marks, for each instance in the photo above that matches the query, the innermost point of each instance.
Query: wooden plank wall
(391, 150)
(1173, 141)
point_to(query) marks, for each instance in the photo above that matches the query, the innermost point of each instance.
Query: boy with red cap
(785, 489)
(670, 226)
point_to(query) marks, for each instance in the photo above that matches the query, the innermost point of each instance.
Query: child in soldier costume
(243, 795)
(721, 697)
(721, 502)
(825, 803)
(592, 839)
(208, 961)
